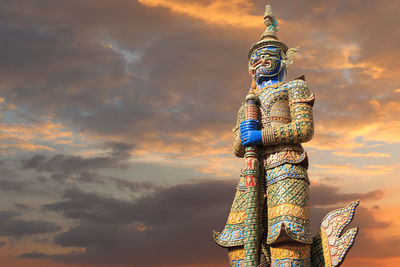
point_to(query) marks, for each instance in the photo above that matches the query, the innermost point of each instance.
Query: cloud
(221, 13)
(134, 187)
(11, 185)
(349, 169)
(32, 255)
(117, 156)
(16, 228)
(67, 168)
(91, 207)
(178, 216)
(323, 195)
(367, 155)
(161, 100)
(167, 114)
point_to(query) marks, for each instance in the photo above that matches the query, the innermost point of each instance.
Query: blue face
(266, 64)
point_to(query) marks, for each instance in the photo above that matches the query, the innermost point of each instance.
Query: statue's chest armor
(274, 106)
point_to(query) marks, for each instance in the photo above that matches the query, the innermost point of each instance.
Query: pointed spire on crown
(272, 24)
(269, 37)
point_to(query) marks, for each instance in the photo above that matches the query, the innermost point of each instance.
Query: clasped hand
(250, 134)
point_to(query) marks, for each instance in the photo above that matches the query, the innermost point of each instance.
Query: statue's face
(265, 63)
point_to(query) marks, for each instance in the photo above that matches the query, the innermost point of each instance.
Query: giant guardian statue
(269, 221)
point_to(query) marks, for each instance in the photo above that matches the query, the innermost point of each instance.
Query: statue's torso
(281, 161)
(274, 109)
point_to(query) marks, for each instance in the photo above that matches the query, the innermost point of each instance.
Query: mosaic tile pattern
(293, 191)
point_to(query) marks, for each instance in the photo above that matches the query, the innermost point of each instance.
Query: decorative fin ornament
(335, 246)
(290, 55)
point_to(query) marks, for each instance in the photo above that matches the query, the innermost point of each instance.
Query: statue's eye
(266, 55)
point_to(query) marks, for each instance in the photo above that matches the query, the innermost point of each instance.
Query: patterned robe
(286, 121)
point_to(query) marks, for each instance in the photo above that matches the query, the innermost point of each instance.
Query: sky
(116, 118)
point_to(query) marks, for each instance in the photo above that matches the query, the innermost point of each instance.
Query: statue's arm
(238, 149)
(301, 127)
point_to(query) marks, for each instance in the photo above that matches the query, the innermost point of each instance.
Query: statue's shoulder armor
(299, 92)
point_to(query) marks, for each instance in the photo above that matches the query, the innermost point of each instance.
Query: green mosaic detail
(317, 252)
(298, 89)
(286, 170)
(293, 191)
(289, 218)
(239, 201)
(291, 263)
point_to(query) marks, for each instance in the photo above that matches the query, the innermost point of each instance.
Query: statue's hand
(249, 125)
(249, 133)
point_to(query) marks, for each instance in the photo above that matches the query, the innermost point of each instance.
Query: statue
(269, 221)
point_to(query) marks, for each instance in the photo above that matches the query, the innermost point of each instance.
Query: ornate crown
(269, 36)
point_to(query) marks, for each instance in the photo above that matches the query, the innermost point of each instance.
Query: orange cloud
(342, 135)
(349, 169)
(223, 13)
(221, 167)
(367, 155)
(10, 252)
(30, 137)
(23, 146)
(385, 128)
(347, 57)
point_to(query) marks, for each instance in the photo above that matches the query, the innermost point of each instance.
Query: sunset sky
(116, 118)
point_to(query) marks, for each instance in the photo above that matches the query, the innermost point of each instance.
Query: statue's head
(269, 57)
(266, 64)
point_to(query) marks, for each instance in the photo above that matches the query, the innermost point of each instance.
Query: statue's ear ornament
(290, 55)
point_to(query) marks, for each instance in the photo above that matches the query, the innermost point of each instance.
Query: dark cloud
(169, 220)
(329, 195)
(32, 255)
(178, 202)
(134, 187)
(178, 218)
(10, 185)
(120, 150)
(21, 206)
(6, 215)
(14, 227)
(95, 208)
(82, 169)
